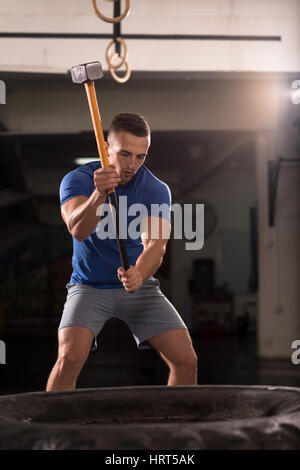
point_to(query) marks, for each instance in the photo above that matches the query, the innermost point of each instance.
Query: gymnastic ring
(112, 20)
(116, 77)
(123, 56)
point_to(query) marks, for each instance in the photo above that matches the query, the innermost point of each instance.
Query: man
(99, 287)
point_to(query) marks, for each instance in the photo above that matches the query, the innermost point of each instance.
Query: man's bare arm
(79, 213)
(155, 239)
(155, 236)
(151, 258)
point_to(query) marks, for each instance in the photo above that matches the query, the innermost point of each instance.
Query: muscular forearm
(150, 260)
(84, 219)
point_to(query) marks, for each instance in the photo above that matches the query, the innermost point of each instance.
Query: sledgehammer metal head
(86, 72)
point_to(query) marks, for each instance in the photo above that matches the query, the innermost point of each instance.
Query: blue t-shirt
(96, 259)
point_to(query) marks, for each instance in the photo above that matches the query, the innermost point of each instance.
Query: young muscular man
(99, 288)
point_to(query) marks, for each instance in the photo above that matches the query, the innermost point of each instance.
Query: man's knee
(187, 362)
(70, 362)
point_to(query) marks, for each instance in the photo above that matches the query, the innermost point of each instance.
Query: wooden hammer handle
(95, 113)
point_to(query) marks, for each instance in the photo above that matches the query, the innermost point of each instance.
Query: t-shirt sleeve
(159, 202)
(74, 184)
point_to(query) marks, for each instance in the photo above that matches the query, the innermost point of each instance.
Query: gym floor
(228, 359)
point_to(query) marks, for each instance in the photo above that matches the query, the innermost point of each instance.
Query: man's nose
(132, 163)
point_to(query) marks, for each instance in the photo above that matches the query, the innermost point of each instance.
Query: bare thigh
(175, 347)
(74, 342)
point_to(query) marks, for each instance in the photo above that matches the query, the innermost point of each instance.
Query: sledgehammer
(87, 74)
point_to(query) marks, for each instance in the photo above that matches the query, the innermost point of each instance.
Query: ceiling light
(295, 93)
(84, 160)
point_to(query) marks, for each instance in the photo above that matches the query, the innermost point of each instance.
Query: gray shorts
(147, 311)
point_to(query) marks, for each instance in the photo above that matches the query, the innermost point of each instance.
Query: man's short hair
(132, 123)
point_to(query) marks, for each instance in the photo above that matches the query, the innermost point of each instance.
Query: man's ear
(106, 146)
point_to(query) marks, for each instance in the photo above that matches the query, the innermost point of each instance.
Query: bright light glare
(84, 160)
(295, 93)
